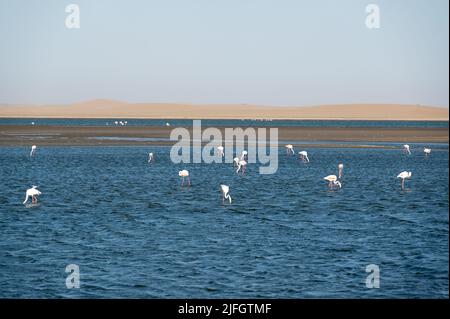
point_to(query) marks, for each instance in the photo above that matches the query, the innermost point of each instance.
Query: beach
(18, 135)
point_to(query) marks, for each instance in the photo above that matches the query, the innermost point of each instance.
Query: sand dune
(115, 109)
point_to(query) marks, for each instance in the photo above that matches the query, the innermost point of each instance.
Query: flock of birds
(240, 164)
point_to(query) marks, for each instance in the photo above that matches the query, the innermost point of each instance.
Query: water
(134, 232)
(226, 123)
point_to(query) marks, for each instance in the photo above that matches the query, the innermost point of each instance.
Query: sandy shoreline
(25, 135)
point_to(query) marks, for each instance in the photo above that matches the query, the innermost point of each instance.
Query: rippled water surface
(134, 232)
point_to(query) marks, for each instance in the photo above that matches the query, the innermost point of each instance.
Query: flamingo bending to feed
(33, 150)
(427, 151)
(151, 158)
(290, 149)
(225, 193)
(341, 170)
(304, 156)
(242, 164)
(184, 174)
(220, 149)
(32, 192)
(332, 181)
(236, 161)
(404, 175)
(407, 149)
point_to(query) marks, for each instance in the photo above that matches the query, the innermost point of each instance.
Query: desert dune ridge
(116, 109)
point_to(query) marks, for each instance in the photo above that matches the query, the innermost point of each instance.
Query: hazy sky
(273, 52)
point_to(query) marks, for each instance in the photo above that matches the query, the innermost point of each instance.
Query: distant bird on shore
(151, 158)
(225, 193)
(32, 192)
(33, 150)
(221, 152)
(168, 124)
(242, 164)
(332, 181)
(184, 174)
(116, 122)
(341, 170)
(32, 123)
(290, 149)
(404, 175)
(304, 156)
(407, 149)
(427, 151)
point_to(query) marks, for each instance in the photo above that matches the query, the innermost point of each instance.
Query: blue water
(227, 123)
(134, 232)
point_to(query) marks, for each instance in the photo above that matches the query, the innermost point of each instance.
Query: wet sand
(25, 135)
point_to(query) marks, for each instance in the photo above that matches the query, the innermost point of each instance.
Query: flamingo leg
(189, 181)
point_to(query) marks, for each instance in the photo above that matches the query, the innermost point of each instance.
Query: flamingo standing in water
(184, 174)
(151, 158)
(290, 149)
(32, 192)
(220, 149)
(33, 150)
(427, 152)
(404, 175)
(225, 193)
(244, 155)
(407, 149)
(341, 170)
(241, 164)
(332, 181)
(304, 156)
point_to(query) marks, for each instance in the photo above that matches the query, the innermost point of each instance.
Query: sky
(265, 52)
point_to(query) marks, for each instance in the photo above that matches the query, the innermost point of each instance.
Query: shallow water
(134, 232)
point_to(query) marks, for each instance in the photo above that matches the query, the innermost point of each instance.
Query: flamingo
(290, 149)
(407, 149)
(33, 150)
(341, 169)
(32, 192)
(151, 158)
(32, 123)
(304, 156)
(115, 122)
(236, 161)
(168, 124)
(183, 174)
(244, 155)
(225, 193)
(220, 149)
(332, 180)
(242, 164)
(404, 175)
(427, 151)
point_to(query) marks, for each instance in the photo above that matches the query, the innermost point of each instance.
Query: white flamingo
(242, 164)
(427, 151)
(332, 181)
(33, 150)
(220, 149)
(115, 122)
(244, 155)
(236, 161)
(304, 156)
(341, 170)
(32, 192)
(404, 175)
(184, 174)
(151, 158)
(290, 149)
(407, 149)
(168, 124)
(225, 193)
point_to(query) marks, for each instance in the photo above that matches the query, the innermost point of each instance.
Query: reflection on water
(135, 232)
